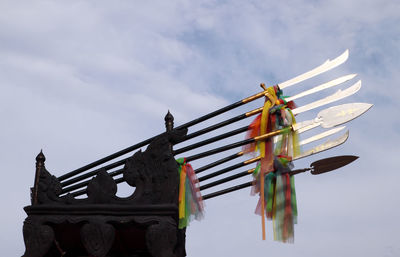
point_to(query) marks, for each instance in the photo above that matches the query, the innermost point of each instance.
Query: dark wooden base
(103, 230)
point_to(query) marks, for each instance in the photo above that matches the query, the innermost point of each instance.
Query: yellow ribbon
(263, 130)
(182, 192)
(264, 116)
(295, 137)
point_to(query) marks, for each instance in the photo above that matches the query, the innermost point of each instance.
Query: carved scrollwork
(102, 188)
(153, 206)
(38, 239)
(154, 171)
(161, 239)
(97, 238)
(49, 188)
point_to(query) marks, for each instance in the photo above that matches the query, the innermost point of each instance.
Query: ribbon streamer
(190, 199)
(271, 179)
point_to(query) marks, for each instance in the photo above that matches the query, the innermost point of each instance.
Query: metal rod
(215, 183)
(224, 180)
(92, 173)
(320, 69)
(86, 182)
(216, 163)
(78, 193)
(219, 149)
(298, 171)
(105, 159)
(119, 180)
(222, 110)
(76, 186)
(213, 127)
(225, 170)
(212, 184)
(222, 124)
(148, 141)
(228, 190)
(116, 172)
(234, 145)
(197, 133)
(241, 186)
(244, 173)
(210, 140)
(84, 191)
(120, 171)
(262, 137)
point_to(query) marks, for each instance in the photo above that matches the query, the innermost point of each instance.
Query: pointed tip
(364, 107)
(346, 136)
(342, 139)
(169, 116)
(346, 54)
(351, 76)
(343, 57)
(40, 157)
(352, 158)
(357, 85)
(339, 128)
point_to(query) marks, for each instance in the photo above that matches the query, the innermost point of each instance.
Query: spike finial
(169, 121)
(40, 159)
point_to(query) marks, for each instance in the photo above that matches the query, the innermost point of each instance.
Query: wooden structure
(103, 224)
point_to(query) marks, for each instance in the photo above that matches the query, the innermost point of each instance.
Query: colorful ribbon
(190, 199)
(272, 181)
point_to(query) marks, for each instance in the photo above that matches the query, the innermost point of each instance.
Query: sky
(84, 79)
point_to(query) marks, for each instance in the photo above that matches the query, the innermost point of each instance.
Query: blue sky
(84, 79)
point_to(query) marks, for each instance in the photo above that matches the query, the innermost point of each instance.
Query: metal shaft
(234, 145)
(93, 172)
(218, 162)
(228, 190)
(241, 186)
(227, 179)
(186, 125)
(86, 182)
(211, 140)
(225, 170)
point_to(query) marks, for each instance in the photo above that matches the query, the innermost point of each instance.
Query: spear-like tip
(40, 158)
(328, 65)
(344, 56)
(341, 58)
(340, 114)
(332, 163)
(343, 138)
(351, 76)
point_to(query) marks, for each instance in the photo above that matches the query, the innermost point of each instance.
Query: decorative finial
(40, 159)
(169, 121)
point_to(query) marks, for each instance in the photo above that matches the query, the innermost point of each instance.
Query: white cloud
(73, 74)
